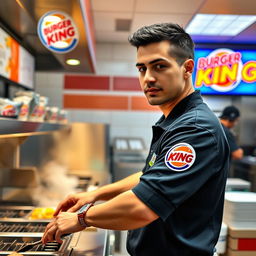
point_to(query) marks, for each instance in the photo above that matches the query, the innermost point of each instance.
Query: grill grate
(22, 227)
(13, 213)
(16, 245)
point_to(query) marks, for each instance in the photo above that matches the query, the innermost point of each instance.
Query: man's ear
(188, 68)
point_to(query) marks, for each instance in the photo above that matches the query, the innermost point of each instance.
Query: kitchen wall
(117, 60)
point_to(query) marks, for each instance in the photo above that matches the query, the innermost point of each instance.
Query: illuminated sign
(58, 32)
(16, 63)
(225, 71)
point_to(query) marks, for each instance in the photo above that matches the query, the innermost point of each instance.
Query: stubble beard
(157, 101)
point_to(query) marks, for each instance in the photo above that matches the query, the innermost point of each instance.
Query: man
(229, 118)
(174, 206)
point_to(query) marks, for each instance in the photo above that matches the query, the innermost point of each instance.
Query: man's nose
(149, 78)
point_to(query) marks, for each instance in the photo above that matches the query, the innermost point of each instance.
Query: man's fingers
(65, 204)
(49, 234)
(50, 225)
(58, 235)
(59, 207)
(75, 207)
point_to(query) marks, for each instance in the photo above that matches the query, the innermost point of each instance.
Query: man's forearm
(125, 211)
(112, 190)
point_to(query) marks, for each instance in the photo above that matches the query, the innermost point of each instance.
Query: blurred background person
(229, 119)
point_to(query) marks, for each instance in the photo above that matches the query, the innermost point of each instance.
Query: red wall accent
(95, 102)
(108, 101)
(141, 103)
(247, 244)
(126, 84)
(86, 82)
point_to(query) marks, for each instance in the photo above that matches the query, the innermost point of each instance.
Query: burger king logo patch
(180, 157)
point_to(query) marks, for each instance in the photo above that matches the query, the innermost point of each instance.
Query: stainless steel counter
(89, 243)
(246, 169)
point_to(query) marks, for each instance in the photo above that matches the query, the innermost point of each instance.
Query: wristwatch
(81, 214)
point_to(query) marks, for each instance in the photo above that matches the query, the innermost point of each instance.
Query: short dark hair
(230, 113)
(175, 34)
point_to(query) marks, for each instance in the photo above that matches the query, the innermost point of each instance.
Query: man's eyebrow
(151, 62)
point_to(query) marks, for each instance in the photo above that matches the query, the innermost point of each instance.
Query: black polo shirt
(183, 182)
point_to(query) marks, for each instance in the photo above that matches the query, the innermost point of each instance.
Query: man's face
(161, 78)
(232, 124)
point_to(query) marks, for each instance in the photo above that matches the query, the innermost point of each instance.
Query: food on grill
(15, 254)
(42, 213)
(22, 213)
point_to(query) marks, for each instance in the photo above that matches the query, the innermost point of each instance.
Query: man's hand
(74, 202)
(64, 223)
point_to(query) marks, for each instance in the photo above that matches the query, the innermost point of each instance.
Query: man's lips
(152, 89)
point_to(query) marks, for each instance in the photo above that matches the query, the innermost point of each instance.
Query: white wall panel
(51, 86)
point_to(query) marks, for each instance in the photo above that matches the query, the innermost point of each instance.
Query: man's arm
(75, 201)
(125, 211)
(112, 190)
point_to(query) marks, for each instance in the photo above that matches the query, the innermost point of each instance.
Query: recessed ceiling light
(73, 62)
(221, 25)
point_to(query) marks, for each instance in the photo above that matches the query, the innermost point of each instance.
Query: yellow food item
(42, 213)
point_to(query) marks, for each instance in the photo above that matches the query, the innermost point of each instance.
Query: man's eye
(141, 69)
(159, 66)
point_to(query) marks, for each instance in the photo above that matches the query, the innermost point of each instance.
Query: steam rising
(56, 184)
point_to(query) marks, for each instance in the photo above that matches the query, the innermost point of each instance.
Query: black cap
(230, 113)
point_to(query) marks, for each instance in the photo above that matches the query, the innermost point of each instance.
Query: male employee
(229, 119)
(174, 206)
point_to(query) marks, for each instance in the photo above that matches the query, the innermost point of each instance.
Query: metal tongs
(31, 245)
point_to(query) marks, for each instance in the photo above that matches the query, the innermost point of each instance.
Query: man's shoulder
(200, 116)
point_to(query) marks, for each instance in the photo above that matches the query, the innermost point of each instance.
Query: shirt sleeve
(163, 189)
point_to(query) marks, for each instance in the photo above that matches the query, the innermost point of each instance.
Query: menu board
(225, 71)
(16, 63)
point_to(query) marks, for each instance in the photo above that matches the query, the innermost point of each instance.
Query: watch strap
(81, 214)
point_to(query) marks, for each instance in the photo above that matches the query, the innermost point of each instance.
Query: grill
(11, 243)
(16, 230)
(12, 213)
(31, 227)
(14, 245)
(15, 212)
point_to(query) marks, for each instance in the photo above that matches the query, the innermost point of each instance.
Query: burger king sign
(57, 32)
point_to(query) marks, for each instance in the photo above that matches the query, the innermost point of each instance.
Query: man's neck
(169, 106)
(225, 123)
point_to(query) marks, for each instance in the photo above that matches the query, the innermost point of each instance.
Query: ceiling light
(222, 25)
(73, 62)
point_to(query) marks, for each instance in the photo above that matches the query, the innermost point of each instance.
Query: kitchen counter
(90, 242)
(246, 169)
(248, 160)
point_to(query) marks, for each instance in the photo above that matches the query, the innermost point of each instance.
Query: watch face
(83, 208)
